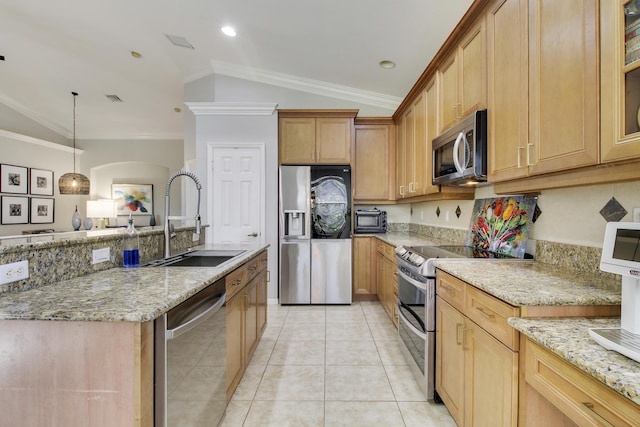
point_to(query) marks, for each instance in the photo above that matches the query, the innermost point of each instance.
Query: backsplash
(52, 261)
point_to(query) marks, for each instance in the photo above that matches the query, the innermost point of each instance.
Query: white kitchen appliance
(621, 255)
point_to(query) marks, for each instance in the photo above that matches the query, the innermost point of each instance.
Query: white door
(236, 201)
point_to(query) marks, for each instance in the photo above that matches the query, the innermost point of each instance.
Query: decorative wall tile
(613, 211)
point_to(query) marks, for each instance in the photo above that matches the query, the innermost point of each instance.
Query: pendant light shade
(74, 183)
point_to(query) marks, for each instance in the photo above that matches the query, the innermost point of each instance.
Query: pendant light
(74, 183)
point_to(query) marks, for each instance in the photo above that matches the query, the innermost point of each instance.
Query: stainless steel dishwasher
(190, 361)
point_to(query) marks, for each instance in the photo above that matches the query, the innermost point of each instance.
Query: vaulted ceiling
(51, 48)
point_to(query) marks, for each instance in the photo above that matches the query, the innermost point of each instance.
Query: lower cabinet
(557, 394)
(246, 316)
(476, 373)
(387, 279)
(364, 286)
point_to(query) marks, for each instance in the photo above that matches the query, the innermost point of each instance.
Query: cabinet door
(491, 380)
(262, 301)
(409, 151)
(508, 122)
(472, 56)
(371, 171)
(448, 78)
(431, 131)
(297, 140)
(418, 152)
(251, 318)
(563, 85)
(362, 284)
(333, 140)
(450, 324)
(401, 160)
(235, 342)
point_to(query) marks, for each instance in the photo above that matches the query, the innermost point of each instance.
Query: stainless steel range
(416, 305)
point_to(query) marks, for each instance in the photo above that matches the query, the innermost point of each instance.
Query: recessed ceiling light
(387, 64)
(177, 110)
(136, 55)
(229, 30)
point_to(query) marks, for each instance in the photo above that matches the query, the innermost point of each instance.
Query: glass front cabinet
(620, 79)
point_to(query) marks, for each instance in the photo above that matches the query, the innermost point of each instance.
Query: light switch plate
(101, 255)
(14, 272)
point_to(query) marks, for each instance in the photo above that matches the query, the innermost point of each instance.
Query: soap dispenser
(131, 245)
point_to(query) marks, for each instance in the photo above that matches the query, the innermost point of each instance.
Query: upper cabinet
(315, 136)
(374, 160)
(620, 79)
(463, 78)
(542, 93)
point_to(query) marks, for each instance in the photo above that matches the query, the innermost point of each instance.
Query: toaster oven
(370, 221)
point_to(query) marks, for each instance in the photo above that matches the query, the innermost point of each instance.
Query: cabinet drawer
(451, 289)
(581, 398)
(252, 266)
(235, 281)
(491, 314)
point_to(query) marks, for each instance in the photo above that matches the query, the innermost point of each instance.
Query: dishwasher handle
(204, 310)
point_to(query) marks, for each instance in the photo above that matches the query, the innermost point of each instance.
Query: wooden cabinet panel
(472, 92)
(297, 140)
(333, 140)
(251, 331)
(448, 78)
(492, 314)
(374, 162)
(401, 160)
(431, 131)
(363, 286)
(235, 343)
(387, 279)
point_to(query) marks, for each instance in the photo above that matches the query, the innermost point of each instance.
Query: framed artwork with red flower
(134, 199)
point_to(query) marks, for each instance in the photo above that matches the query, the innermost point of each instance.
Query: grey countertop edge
(569, 339)
(118, 294)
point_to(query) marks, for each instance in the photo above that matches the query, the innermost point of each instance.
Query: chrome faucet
(168, 235)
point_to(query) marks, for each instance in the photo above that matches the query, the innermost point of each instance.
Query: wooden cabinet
(476, 355)
(373, 172)
(387, 280)
(315, 136)
(620, 83)
(246, 313)
(463, 78)
(542, 95)
(555, 393)
(364, 287)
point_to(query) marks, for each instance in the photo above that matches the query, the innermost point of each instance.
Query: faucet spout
(167, 196)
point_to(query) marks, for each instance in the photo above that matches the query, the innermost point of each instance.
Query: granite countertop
(569, 338)
(531, 283)
(118, 294)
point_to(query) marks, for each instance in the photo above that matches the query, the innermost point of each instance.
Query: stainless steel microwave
(460, 153)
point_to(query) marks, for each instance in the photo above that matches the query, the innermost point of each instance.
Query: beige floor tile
(305, 332)
(292, 383)
(194, 413)
(348, 332)
(342, 308)
(298, 352)
(369, 414)
(345, 316)
(384, 331)
(236, 413)
(352, 353)
(272, 332)
(376, 316)
(297, 317)
(249, 383)
(276, 318)
(404, 385)
(281, 414)
(390, 353)
(425, 414)
(361, 383)
(263, 352)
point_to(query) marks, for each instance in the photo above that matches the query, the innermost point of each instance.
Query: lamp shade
(73, 183)
(105, 208)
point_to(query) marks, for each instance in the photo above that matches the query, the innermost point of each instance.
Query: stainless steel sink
(199, 258)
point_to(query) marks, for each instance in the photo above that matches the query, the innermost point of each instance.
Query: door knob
(254, 234)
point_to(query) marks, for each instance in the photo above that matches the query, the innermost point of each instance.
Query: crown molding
(316, 87)
(16, 106)
(232, 108)
(41, 142)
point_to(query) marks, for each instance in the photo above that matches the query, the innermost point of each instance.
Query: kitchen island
(80, 351)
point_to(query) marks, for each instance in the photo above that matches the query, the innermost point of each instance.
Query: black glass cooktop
(455, 251)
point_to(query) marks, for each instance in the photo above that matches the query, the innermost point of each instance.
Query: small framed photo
(41, 210)
(15, 210)
(41, 182)
(13, 179)
(136, 199)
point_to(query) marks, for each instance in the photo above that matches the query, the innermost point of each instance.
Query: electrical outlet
(636, 214)
(14, 272)
(101, 255)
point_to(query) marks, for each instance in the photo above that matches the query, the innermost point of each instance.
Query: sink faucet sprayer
(167, 234)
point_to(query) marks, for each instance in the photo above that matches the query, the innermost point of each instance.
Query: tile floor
(330, 366)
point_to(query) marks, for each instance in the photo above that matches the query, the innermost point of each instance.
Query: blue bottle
(131, 246)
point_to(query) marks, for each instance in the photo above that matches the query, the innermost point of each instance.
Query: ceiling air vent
(179, 41)
(114, 98)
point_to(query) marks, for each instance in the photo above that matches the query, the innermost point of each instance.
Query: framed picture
(41, 182)
(41, 210)
(15, 210)
(136, 199)
(13, 179)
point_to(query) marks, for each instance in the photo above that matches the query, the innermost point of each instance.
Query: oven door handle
(408, 324)
(208, 307)
(402, 305)
(414, 282)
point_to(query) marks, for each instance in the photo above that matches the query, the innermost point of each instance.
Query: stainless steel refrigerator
(315, 235)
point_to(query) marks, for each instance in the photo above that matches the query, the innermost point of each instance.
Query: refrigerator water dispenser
(294, 223)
